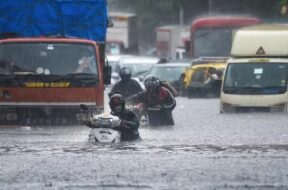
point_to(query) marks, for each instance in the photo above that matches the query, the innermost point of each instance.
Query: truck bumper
(44, 115)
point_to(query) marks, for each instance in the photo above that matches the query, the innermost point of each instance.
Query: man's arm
(137, 86)
(84, 63)
(169, 102)
(130, 122)
(137, 98)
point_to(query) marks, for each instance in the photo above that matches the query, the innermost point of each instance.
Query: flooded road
(204, 150)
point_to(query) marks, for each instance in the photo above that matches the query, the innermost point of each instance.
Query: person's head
(117, 103)
(125, 73)
(219, 73)
(152, 84)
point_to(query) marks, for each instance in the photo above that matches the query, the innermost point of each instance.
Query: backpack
(167, 85)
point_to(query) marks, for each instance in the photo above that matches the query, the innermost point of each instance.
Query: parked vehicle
(170, 41)
(139, 65)
(122, 37)
(256, 75)
(203, 83)
(114, 61)
(211, 39)
(43, 84)
(170, 72)
(211, 36)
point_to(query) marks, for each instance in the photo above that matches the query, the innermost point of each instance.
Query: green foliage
(283, 2)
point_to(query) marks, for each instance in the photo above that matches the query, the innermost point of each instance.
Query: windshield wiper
(24, 73)
(273, 89)
(231, 89)
(269, 87)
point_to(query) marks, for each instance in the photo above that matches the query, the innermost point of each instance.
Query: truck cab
(47, 69)
(49, 78)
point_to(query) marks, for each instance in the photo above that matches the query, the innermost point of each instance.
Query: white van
(255, 78)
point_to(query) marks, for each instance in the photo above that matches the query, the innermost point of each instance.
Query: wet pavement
(204, 150)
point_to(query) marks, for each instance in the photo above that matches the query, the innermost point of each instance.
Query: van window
(256, 78)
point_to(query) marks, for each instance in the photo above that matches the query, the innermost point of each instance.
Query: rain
(227, 134)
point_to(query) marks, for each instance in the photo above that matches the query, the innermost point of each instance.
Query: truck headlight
(81, 117)
(11, 116)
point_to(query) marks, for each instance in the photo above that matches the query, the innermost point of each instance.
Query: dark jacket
(127, 88)
(129, 125)
(159, 106)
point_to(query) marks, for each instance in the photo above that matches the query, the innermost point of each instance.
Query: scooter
(103, 127)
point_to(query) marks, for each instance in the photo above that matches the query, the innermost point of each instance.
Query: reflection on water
(205, 132)
(141, 147)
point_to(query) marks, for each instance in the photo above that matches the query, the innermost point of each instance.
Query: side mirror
(84, 107)
(107, 73)
(110, 23)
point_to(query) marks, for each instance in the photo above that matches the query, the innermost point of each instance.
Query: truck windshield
(213, 42)
(47, 59)
(256, 78)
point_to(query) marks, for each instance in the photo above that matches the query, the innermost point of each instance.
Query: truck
(210, 43)
(122, 36)
(256, 74)
(170, 41)
(41, 50)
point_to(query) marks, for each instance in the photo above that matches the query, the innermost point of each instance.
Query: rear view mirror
(107, 73)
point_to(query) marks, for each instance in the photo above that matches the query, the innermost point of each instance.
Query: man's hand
(117, 123)
(155, 108)
(159, 107)
(125, 124)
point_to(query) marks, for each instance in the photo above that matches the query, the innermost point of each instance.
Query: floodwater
(204, 150)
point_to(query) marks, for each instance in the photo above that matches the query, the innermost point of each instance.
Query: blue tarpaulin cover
(70, 18)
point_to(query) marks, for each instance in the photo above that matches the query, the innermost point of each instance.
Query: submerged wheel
(143, 120)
